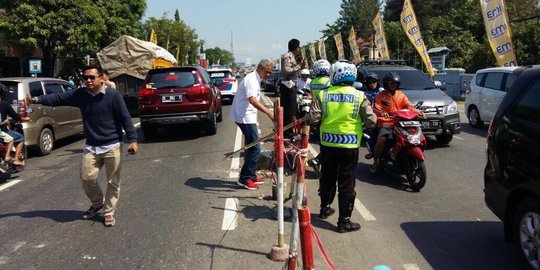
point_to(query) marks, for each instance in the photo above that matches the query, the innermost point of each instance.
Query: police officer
(289, 79)
(342, 112)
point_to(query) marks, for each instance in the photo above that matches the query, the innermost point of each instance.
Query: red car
(179, 95)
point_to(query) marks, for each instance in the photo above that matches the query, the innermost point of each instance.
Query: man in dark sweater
(104, 115)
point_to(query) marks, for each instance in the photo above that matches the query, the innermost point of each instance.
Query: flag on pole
(322, 49)
(313, 54)
(498, 31)
(339, 46)
(153, 37)
(412, 30)
(354, 46)
(380, 37)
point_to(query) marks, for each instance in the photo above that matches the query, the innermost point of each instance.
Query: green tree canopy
(219, 56)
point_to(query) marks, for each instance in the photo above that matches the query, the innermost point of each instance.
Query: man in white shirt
(244, 113)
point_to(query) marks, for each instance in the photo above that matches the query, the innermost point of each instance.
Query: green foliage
(216, 55)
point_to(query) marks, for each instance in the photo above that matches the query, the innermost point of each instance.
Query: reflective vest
(341, 122)
(318, 84)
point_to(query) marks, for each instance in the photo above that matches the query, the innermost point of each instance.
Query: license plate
(171, 98)
(431, 124)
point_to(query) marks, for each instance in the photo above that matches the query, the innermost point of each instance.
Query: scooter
(11, 168)
(404, 155)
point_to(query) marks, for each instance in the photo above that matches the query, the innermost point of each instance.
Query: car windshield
(173, 79)
(410, 79)
(220, 75)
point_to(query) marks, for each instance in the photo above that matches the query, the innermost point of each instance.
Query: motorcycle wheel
(416, 173)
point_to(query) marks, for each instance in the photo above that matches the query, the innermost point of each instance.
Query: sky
(260, 29)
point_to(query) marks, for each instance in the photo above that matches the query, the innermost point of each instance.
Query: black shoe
(347, 226)
(315, 164)
(92, 212)
(326, 212)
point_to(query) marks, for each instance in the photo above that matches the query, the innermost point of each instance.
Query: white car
(230, 83)
(485, 93)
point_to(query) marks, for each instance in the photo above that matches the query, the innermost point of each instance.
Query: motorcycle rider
(371, 89)
(18, 139)
(389, 100)
(304, 81)
(342, 111)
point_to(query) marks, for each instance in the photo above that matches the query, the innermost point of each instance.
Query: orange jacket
(395, 103)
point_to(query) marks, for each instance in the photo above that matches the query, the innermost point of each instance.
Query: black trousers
(338, 165)
(288, 102)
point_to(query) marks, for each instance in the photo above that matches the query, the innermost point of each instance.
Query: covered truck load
(128, 60)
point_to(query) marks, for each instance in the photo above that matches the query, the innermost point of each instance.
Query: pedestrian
(244, 113)
(105, 116)
(289, 80)
(107, 81)
(342, 111)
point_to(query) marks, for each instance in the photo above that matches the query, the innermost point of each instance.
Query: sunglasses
(91, 77)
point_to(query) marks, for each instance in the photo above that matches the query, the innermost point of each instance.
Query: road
(181, 208)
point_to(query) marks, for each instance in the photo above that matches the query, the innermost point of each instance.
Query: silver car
(47, 124)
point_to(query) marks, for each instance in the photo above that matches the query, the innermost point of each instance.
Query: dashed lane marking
(410, 266)
(230, 216)
(9, 184)
(363, 210)
(235, 160)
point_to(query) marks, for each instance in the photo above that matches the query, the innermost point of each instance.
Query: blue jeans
(251, 155)
(17, 137)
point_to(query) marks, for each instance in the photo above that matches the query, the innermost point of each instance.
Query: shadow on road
(462, 244)
(381, 178)
(212, 185)
(480, 132)
(56, 215)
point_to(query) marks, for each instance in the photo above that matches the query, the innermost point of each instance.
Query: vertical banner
(178, 55)
(312, 52)
(153, 37)
(322, 49)
(303, 52)
(498, 31)
(339, 46)
(412, 30)
(380, 37)
(354, 46)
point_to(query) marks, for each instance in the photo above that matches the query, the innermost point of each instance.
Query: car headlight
(451, 108)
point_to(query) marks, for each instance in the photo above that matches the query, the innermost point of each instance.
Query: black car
(512, 173)
(442, 116)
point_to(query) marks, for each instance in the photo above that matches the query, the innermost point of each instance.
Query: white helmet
(321, 67)
(304, 72)
(342, 72)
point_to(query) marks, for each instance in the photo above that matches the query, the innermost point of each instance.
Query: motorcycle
(12, 168)
(404, 155)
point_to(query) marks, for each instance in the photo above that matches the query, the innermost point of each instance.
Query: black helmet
(3, 90)
(371, 77)
(391, 77)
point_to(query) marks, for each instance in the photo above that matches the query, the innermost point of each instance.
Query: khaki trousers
(91, 165)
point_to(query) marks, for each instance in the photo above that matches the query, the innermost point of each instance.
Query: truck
(128, 60)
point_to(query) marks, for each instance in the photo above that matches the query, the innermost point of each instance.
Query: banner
(153, 37)
(380, 37)
(498, 31)
(312, 52)
(354, 46)
(322, 49)
(412, 30)
(303, 52)
(339, 46)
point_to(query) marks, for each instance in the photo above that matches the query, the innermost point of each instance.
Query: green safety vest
(318, 84)
(341, 123)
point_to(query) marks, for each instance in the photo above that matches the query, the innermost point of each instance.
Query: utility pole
(232, 45)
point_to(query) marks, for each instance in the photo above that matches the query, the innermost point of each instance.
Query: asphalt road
(181, 208)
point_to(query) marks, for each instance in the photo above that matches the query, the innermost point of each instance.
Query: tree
(219, 56)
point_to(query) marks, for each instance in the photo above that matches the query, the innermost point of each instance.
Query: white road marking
(363, 211)
(410, 266)
(230, 216)
(9, 184)
(235, 160)
(137, 124)
(459, 138)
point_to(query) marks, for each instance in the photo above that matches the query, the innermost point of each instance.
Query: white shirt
(303, 84)
(242, 111)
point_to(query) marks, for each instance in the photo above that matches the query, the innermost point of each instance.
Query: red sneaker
(258, 181)
(249, 184)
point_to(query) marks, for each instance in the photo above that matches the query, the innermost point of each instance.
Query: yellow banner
(354, 45)
(380, 37)
(498, 31)
(153, 37)
(322, 49)
(312, 52)
(412, 30)
(339, 46)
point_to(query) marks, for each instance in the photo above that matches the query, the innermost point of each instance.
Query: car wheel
(444, 138)
(46, 141)
(211, 125)
(474, 118)
(525, 231)
(149, 131)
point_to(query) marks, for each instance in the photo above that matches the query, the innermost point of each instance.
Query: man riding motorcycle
(5, 111)
(390, 99)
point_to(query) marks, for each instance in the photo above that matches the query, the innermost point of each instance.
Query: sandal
(369, 156)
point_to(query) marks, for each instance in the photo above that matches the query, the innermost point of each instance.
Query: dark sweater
(104, 115)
